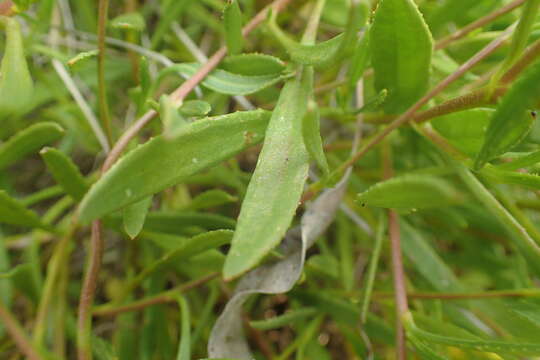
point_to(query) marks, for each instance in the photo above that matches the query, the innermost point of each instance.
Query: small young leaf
(134, 216)
(82, 57)
(401, 53)
(359, 60)
(28, 141)
(232, 22)
(277, 183)
(253, 64)
(195, 108)
(170, 117)
(16, 85)
(225, 82)
(312, 139)
(14, 213)
(410, 192)
(129, 21)
(512, 113)
(65, 172)
(197, 146)
(211, 198)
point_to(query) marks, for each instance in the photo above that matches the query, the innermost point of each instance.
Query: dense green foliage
(247, 179)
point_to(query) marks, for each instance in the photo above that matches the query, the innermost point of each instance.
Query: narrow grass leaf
(401, 53)
(232, 23)
(512, 113)
(197, 146)
(184, 346)
(134, 216)
(211, 198)
(28, 141)
(65, 172)
(277, 183)
(195, 108)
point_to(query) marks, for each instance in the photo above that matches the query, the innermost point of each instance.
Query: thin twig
(444, 42)
(398, 273)
(166, 297)
(84, 321)
(103, 8)
(17, 334)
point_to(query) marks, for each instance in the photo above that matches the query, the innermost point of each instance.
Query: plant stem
(444, 42)
(84, 321)
(103, 7)
(460, 296)
(398, 273)
(165, 297)
(17, 334)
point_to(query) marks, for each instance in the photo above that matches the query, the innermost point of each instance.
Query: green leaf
(465, 129)
(134, 216)
(82, 57)
(129, 21)
(184, 346)
(512, 113)
(283, 320)
(28, 141)
(197, 146)
(409, 192)
(253, 64)
(232, 23)
(312, 139)
(211, 198)
(225, 82)
(65, 172)
(14, 213)
(360, 60)
(195, 108)
(170, 117)
(401, 53)
(16, 85)
(277, 182)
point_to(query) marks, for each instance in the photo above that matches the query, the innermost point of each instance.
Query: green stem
(310, 35)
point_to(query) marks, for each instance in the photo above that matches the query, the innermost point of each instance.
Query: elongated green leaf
(129, 21)
(326, 52)
(16, 85)
(465, 129)
(253, 64)
(277, 183)
(480, 345)
(225, 82)
(211, 198)
(401, 53)
(14, 213)
(360, 60)
(184, 346)
(511, 177)
(134, 216)
(197, 146)
(283, 320)
(28, 141)
(410, 192)
(232, 22)
(65, 172)
(312, 139)
(170, 117)
(512, 113)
